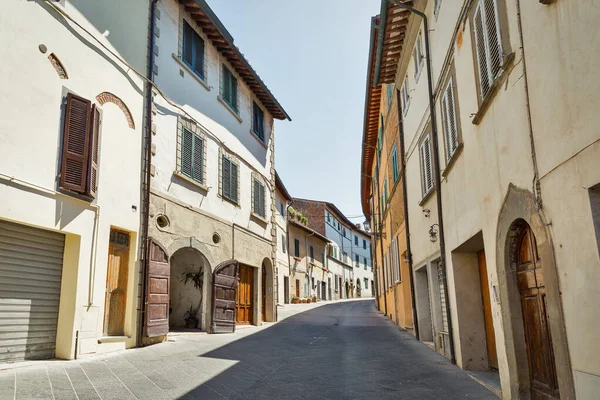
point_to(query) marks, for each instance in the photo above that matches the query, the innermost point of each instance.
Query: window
(355, 240)
(339, 227)
(312, 254)
(364, 244)
(385, 193)
(405, 97)
(328, 217)
(395, 260)
(380, 140)
(323, 259)
(193, 50)
(390, 93)
(283, 243)
(281, 208)
(81, 142)
(344, 231)
(357, 259)
(426, 165)
(418, 56)
(229, 179)
(365, 260)
(366, 284)
(229, 89)
(296, 248)
(258, 121)
(191, 158)
(395, 172)
(449, 121)
(488, 44)
(258, 198)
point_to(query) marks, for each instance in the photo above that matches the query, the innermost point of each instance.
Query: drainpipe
(406, 224)
(436, 156)
(145, 239)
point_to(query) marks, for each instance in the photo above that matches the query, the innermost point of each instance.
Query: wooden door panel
(487, 312)
(157, 290)
(225, 288)
(116, 290)
(297, 288)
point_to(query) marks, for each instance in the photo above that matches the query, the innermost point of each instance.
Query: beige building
(282, 266)
(515, 94)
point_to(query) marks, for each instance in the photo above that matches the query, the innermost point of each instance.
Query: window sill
(113, 339)
(230, 109)
(230, 201)
(452, 160)
(494, 89)
(74, 194)
(190, 180)
(259, 140)
(427, 196)
(192, 73)
(259, 218)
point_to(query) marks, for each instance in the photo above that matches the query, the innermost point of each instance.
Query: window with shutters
(385, 193)
(229, 183)
(418, 56)
(355, 240)
(364, 244)
(450, 119)
(312, 254)
(229, 89)
(405, 96)
(390, 94)
(426, 161)
(258, 121)
(357, 260)
(365, 262)
(80, 148)
(296, 248)
(259, 207)
(283, 243)
(191, 152)
(192, 50)
(395, 170)
(488, 44)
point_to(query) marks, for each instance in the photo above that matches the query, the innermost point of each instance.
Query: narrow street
(343, 350)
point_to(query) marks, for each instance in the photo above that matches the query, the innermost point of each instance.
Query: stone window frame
(451, 158)
(237, 114)
(186, 16)
(186, 123)
(234, 160)
(261, 180)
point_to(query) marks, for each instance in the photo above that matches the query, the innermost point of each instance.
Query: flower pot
(295, 301)
(191, 323)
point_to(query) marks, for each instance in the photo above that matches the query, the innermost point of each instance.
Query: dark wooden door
(530, 280)
(225, 283)
(263, 306)
(487, 311)
(116, 285)
(286, 290)
(297, 287)
(245, 293)
(157, 290)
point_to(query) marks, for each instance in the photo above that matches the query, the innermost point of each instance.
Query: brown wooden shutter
(225, 286)
(157, 290)
(92, 182)
(75, 149)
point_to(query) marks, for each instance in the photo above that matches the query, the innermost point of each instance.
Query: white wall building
(282, 199)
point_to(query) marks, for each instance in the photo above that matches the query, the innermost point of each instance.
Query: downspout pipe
(406, 222)
(436, 157)
(146, 223)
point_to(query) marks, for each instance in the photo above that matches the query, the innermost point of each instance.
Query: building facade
(512, 159)
(284, 273)
(212, 186)
(70, 165)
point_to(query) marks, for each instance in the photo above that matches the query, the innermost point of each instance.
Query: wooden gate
(225, 282)
(157, 290)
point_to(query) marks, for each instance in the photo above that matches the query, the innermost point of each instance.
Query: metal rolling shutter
(30, 274)
(440, 271)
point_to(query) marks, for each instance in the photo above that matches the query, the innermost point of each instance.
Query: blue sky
(312, 54)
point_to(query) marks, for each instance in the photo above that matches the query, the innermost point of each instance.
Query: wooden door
(538, 340)
(487, 311)
(245, 293)
(263, 306)
(297, 287)
(225, 284)
(116, 284)
(286, 290)
(158, 282)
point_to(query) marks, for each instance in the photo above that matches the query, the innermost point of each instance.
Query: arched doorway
(189, 292)
(538, 339)
(267, 291)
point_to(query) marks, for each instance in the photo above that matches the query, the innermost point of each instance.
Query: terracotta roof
(307, 229)
(393, 21)
(223, 41)
(281, 187)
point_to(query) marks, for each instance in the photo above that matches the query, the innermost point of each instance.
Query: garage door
(30, 273)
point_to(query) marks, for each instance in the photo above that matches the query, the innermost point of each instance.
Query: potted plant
(190, 318)
(303, 301)
(295, 300)
(314, 299)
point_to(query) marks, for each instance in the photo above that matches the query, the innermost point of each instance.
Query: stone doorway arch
(519, 209)
(267, 291)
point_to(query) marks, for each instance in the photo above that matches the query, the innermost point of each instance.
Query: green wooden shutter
(92, 181)
(75, 149)
(199, 55)
(296, 248)
(188, 44)
(234, 182)
(234, 88)
(187, 149)
(263, 208)
(198, 169)
(256, 199)
(226, 178)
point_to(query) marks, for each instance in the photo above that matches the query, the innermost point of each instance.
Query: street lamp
(433, 232)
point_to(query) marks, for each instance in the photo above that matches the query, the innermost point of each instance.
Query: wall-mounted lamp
(367, 226)
(426, 212)
(433, 233)
(405, 257)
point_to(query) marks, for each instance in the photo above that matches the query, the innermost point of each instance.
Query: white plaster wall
(205, 108)
(283, 268)
(31, 137)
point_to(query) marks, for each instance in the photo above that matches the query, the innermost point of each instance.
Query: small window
(364, 244)
(488, 44)
(344, 231)
(405, 96)
(229, 88)
(449, 120)
(193, 50)
(312, 254)
(258, 121)
(380, 140)
(357, 259)
(418, 56)
(366, 283)
(283, 243)
(426, 165)
(365, 260)
(385, 193)
(258, 200)
(395, 171)
(390, 93)
(192, 155)
(296, 248)
(229, 179)
(356, 240)
(281, 209)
